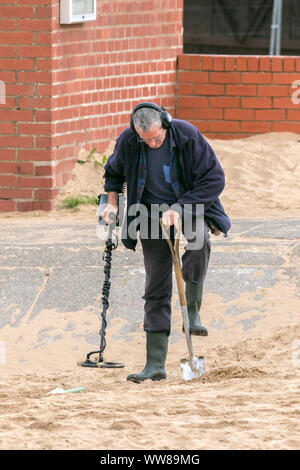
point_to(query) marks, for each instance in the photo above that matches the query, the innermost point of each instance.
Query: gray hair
(145, 118)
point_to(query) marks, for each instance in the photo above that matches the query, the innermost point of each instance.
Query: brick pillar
(25, 74)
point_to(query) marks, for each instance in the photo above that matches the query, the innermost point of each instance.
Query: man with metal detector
(166, 164)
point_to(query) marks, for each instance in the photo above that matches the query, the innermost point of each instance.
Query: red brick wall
(73, 86)
(25, 127)
(103, 68)
(237, 96)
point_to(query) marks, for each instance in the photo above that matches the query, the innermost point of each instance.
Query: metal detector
(99, 362)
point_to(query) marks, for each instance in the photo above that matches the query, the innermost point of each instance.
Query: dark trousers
(158, 286)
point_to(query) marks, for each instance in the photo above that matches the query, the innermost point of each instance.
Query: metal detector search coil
(100, 365)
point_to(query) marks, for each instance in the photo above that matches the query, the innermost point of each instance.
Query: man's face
(153, 138)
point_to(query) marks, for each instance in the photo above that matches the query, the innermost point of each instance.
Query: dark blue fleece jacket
(200, 176)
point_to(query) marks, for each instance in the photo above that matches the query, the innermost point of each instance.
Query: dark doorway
(238, 27)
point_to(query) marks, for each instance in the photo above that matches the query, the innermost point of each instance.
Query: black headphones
(165, 117)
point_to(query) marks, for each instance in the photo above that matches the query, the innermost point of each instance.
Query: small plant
(91, 157)
(102, 163)
(72, 202)
(91, 154)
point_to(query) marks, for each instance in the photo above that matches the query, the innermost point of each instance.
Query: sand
(262, 178)
(249, 396)
(262, 175)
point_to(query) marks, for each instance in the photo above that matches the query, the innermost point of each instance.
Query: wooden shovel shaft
(177, 266)
(180, 289)
(182, 301)
(179, 281)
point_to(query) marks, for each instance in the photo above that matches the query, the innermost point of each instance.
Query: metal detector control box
(102, 203)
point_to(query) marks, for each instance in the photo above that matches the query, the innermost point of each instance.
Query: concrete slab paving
(57, 265)
(286, 229)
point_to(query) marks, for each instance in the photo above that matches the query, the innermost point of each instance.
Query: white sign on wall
(77, 11)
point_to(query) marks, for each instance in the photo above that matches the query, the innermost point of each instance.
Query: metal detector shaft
(106, 287)
(105, 296)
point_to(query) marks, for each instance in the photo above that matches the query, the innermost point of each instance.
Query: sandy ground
(262, 178)
(249, 396)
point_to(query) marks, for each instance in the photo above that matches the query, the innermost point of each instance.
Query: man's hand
(110, 208)
(171, 218)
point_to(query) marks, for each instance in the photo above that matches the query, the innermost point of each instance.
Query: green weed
(91, 157)
(72, 202)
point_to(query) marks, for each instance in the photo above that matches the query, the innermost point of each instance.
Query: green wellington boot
(157, 348)
(193, 294)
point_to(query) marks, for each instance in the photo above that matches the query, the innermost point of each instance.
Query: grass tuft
(72, 202)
